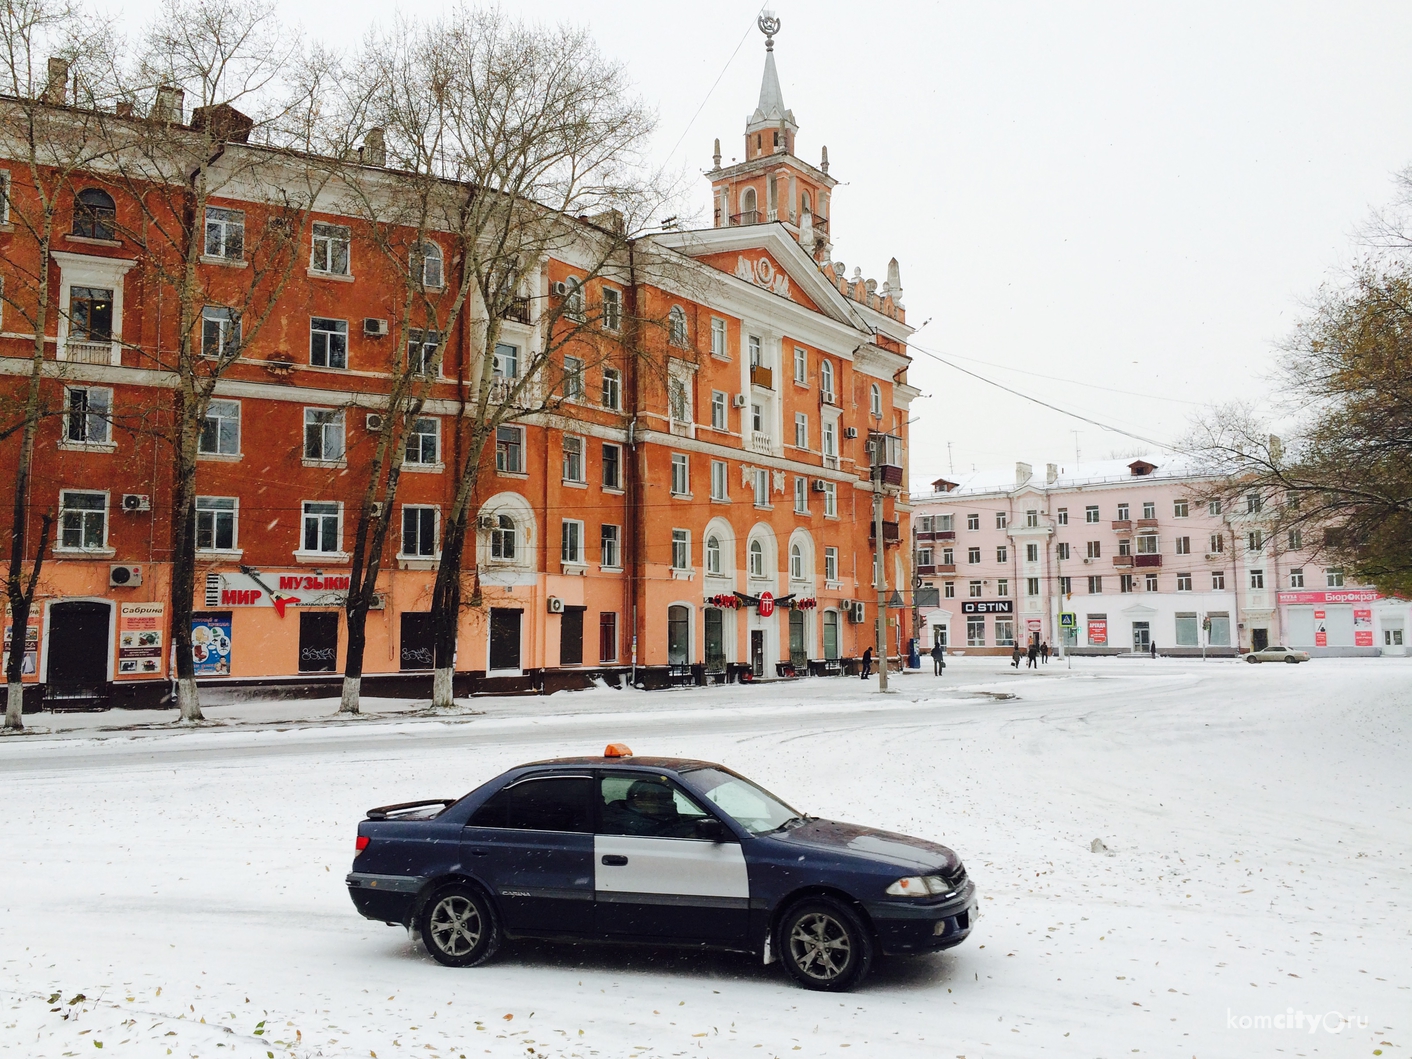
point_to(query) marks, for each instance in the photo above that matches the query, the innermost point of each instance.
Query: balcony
(502, 391)
(944, 568)
(925, 535)
(517, 310)
(925, 569)
(1146, 523)
(1147, 560)
(748, 217)
(891, 532)
(1123, 525)
(761, 442)
(1123, 561)
(762, 377)
(890, 474)
(88, 352)
(946, 535)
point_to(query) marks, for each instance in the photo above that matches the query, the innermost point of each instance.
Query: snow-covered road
(189, 884)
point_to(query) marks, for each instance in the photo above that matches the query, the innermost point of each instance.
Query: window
(571, 541)
(612, 309)
(1296, 577)
(1151, 582)
(943, 523)
(757, 559)
(681, 549)
(924, 524)
(612, 467)
(507, 361)
(713, 555)
(90, 314)
(607, 636)
(573, 299)
(1000, 520)
(1187, 630)
(718, 410)
(676, 326)
(829, 441)
(1333, 578)
(426, 264)
(1257, 579)
(796, 562)
(331, 242)
(801, 495)
(421, 352)
(762, 488)
(1091, 513)
(679, 399)
(1296, 540)
(558, 803)
(826, 379)
(830, 564)
(215, 523)
(1031, 553)
(418, 531)
(973, 589)
(1002, 554)
(1147, 544)
(973, 522)
(573, 379)
(1063, 516)
(509, 449)
(1095, 549)
(1184, 582)
(975, 632)
(801, 430)
(1004, 632)
(1062, 550)
(973, 555)
(1179, 509)
(609, 552)
(1149, 509)
(220, 430)
(323, 434)
(718, 337)
(83, 520)
(948, 556)
(95, 215)
(612, 388)
(1252, 503)
(323, 526)
(1218, 580)
(757, 418)
(875, 401)
(1183, 545)
(1126, 582)
(681, 475)
(88, 415)
(1095, 585)
(4, 196)
(756, 351)
(1066, 586)
(831, 499)
(1254, 541)
(1218, 542)
(503, 538)
(1002, 587)
(225, 233)
(719, 470)
(801, 365)
(1214, 507)
(220, 332)
(1032, 518)
(573, 458)
(1124, 513)
(328, 343)
(1031, 586)
(949, 590)
(424, 443)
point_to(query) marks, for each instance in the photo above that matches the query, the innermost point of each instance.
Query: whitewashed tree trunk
(351, 688)
(188, 700)
(441, 687)
(14, 705)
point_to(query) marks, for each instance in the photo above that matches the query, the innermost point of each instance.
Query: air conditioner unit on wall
(124, 576)
(376, 509)
(739, 400)
(486, 522)
(559, 290)
(850, 432)
(374, 422)
(137, 502)
(820, 486)
(556, 605)
(857, 611)
(374, 328)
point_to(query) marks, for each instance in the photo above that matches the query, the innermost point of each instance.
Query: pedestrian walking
(1033, 654)
(938, 658)
(1153, 645)
(867, 664)
(1044, 653)
(1015, 656)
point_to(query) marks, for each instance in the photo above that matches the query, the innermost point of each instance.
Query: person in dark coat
(1153, 645)
(1033, 655)
(867, 664)
(1044, 653)
(1015, 656)
(938, 658)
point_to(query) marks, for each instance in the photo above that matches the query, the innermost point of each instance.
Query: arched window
(95, 216)
(502, 538)
(676, 325)
(796, 562)
(427, 261)
(757, 559)
(747, 206)
(877, 401)
(806, 202)
(713, 554)
(826, 378)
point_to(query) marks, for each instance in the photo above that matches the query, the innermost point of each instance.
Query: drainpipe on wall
(632, 478)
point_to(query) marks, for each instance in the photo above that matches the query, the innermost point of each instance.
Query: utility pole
(879, 553)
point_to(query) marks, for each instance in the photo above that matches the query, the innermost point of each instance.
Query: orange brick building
(637, 528)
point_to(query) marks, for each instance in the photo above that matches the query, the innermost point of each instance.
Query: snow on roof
(1166, 466)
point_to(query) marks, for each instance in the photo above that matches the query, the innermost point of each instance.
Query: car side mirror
(712, 828)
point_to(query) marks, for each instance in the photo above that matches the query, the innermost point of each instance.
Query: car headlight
(919, 886)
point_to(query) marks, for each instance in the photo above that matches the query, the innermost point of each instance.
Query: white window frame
(328, 240)
(571, 542)
(762, 488)
(4, 196)
(328, 338)
(89, 418)
(220, 418)
(826, 388)
(573, 379)
(681, 475)
(1333, 577)
(612, 314)
(720, 480)
(305, 515)
(573, 459)
(828, 443)
(719, 345)
(402, 551)
(1184, 582)
(518, 447)
(84, 514)
(574, 301)
(801, 495)
(720, 417)
(801, 365)
(1180, 509)
(801, 430)
(506, 364)
(215, 507)
(830, 500)
(681, 549)
(427, 254)
(1296, 577)
(830, 563)
(796, 562)
(974, 589)
(223, 222)
(1257, 579)
(498, 535)
(1218, 580)
(421, 462)
(712, 555)
(616, 465)
(678, 333)
(217, 344)
(875, 401)
(756, 553)
(1031, 553)
(612, 389)
(421, 353)
(1091, 513)
(610, 546)
(333, 427)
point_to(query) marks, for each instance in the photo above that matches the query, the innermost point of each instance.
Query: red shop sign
(767, 604)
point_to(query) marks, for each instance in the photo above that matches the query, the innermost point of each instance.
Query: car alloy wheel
(1251, 659)
(459, 928)
(825, 945)
(1292, 661)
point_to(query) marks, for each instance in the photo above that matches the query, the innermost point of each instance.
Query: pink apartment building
(1137, 554)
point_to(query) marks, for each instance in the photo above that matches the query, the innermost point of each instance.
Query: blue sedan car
(661, 851)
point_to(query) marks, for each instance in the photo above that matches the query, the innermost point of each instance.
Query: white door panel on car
(676, 866)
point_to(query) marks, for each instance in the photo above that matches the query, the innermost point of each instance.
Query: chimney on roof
(375, 147)
(56, 86)
(224, 122)
(1051, 473)
(1277, 449)
(1023, 473)
(170, 105)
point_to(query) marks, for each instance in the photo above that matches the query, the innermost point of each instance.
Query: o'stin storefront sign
(988, 606)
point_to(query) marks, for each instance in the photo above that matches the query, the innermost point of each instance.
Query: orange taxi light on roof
(617, 750)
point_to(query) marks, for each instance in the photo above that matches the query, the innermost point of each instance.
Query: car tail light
(362, 843)
(617, 750)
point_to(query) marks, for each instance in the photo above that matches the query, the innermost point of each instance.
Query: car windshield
(754, 808)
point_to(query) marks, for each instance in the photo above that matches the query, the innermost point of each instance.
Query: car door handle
(614, 860)
(480, 852)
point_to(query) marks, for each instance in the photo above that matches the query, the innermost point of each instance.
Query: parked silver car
(1277, 654)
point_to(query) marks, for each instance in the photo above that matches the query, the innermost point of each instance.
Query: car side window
(646, 805)
(547, 803)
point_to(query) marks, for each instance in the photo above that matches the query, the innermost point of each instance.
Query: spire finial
(769, 24)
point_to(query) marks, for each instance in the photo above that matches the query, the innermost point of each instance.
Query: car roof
(646, 764)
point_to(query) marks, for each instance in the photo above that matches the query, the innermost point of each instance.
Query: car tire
(1251, 659)
(813, 933)
(1292, 661)
(459, 927)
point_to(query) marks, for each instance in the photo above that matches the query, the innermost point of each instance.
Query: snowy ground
(189, 884)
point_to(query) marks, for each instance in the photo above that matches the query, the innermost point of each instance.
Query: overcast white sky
(1080, 195)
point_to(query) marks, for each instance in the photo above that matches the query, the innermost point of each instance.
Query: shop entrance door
(77, 674)
(1142, 637)
(757, 652)
(504, 638)
(318, 641)
(1259, 639)
(798, 653)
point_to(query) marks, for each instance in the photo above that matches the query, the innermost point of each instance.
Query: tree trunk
(353, 663)
(184, 558)
(446, 611)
